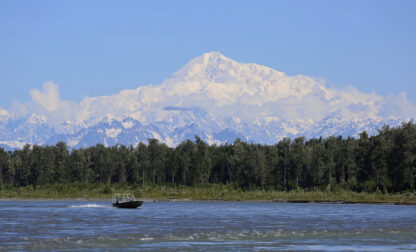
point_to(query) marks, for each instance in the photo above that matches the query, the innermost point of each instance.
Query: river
(205, 226)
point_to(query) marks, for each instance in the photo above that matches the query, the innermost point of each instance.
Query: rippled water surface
(205, 226)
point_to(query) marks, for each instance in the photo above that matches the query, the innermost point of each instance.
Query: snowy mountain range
(213, 97)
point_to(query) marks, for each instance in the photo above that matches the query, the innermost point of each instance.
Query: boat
(125, 200)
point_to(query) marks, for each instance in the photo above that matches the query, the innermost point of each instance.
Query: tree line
(384, 162)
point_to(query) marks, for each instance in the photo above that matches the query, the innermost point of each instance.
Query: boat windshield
(126, 197)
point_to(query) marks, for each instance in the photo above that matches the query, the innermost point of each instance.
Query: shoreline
(297, 201)
(203, 193)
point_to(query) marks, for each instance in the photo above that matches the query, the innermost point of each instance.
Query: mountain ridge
(213, 97)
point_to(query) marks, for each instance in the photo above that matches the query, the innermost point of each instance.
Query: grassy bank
(202, 192)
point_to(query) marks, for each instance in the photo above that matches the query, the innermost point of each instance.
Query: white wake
(90, 206)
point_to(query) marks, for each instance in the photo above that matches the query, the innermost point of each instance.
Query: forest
(385, 162)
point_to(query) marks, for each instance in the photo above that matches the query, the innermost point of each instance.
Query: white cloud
(19, 109)
(397, 107)
(3, 112)
(48, 98)
(47, 103)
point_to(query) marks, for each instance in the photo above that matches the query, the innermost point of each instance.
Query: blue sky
(94, 48)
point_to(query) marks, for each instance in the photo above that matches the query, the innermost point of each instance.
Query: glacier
(213, 97)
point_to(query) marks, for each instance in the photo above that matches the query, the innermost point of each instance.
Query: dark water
(205, 226)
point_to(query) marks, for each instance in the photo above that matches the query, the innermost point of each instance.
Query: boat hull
(129, 204)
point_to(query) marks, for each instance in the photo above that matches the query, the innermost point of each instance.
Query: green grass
(201, 192)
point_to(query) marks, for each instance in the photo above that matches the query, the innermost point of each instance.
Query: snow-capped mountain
(213, 97)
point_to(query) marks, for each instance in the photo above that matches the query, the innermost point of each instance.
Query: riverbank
(208, 192)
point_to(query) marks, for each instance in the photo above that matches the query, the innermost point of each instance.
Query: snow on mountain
(213, 97)
(17, 131)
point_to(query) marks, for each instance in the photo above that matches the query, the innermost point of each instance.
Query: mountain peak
(212, 57)
(212, 60)
(207, 66)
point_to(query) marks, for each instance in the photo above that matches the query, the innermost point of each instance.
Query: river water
(205, 226)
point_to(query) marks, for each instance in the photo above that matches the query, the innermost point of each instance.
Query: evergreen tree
(386, 161)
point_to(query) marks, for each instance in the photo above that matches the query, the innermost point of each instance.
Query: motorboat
(125, 200)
